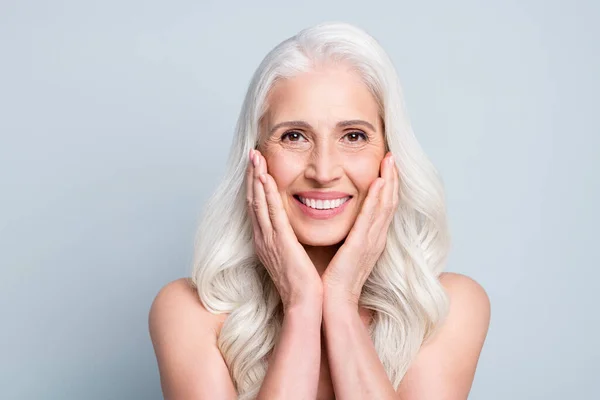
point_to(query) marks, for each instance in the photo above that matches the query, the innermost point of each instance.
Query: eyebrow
(306, 125)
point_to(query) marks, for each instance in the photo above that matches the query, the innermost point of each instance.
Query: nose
(324, 166)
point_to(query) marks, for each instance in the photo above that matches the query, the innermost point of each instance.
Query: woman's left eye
(354, 136)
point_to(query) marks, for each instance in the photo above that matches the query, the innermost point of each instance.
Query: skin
(326, 152)
(325, 157)
(319, 266)
(344, 249)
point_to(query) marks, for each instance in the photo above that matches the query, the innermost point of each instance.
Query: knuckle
(373, 251)
(268, 240)
(388, 207)
(272, 210)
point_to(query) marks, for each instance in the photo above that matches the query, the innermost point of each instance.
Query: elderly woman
(318, 264)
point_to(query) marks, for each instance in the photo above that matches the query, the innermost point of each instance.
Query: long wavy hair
(403, 290)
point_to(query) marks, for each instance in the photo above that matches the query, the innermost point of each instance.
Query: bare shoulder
(469, 303)
(455, 283)
(178, 299)
(466, 296)
(184, 336)
(180, 291)
(445, 365)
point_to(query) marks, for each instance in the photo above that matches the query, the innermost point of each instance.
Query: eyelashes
(290, 134)
(364, 136)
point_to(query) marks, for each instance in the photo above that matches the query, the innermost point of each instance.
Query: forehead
(322, 97)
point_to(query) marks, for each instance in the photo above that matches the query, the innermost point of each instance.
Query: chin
(320, 237)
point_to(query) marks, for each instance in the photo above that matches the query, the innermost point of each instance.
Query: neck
(321, 255)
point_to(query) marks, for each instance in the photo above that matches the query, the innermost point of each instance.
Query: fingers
(388, 200)
(250, 194)
(380, 204)
(388, 196)
(369, 210)
(274, 204)
(277, 213)
(396, 193)
(372, 201)
(264, 202)
(259, 203)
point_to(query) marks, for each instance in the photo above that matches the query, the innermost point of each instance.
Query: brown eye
(293, 135)
(354, 136)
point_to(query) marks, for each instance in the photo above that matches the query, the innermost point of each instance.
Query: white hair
(403, 289)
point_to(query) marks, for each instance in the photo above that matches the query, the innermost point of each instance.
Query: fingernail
(255, 160)
(251, 154)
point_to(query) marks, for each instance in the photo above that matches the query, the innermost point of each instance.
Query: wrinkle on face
(323, 158)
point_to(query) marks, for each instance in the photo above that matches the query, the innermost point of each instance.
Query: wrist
(340, 300)
(338, 314)
(307, 305)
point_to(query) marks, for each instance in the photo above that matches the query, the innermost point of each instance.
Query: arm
(293, 371)
(443, 369)
(184, 336)
(356, 371)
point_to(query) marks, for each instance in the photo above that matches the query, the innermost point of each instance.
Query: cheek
(284, 170)
(363, 172)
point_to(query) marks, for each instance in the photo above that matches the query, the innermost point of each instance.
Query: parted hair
(403, 290)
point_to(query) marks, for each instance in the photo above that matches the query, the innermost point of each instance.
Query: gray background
(116, 118)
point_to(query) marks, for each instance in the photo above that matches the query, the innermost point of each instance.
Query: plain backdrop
(116, 119)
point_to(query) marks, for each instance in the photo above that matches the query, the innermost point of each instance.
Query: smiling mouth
(322, 204)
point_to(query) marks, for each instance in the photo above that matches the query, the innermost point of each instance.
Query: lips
(319, 195)
(321, 214)
(323, 204)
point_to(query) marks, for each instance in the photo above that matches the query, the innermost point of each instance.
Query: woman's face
(322, 134)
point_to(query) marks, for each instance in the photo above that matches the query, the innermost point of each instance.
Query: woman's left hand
(349, 269)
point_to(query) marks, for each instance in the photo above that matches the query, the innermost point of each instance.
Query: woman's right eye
(293, 135)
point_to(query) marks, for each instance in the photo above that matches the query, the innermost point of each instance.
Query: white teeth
(323, 204)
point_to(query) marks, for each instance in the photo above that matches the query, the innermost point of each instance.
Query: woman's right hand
(276, 244)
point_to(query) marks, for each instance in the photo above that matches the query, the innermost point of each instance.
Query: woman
(318, 264)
